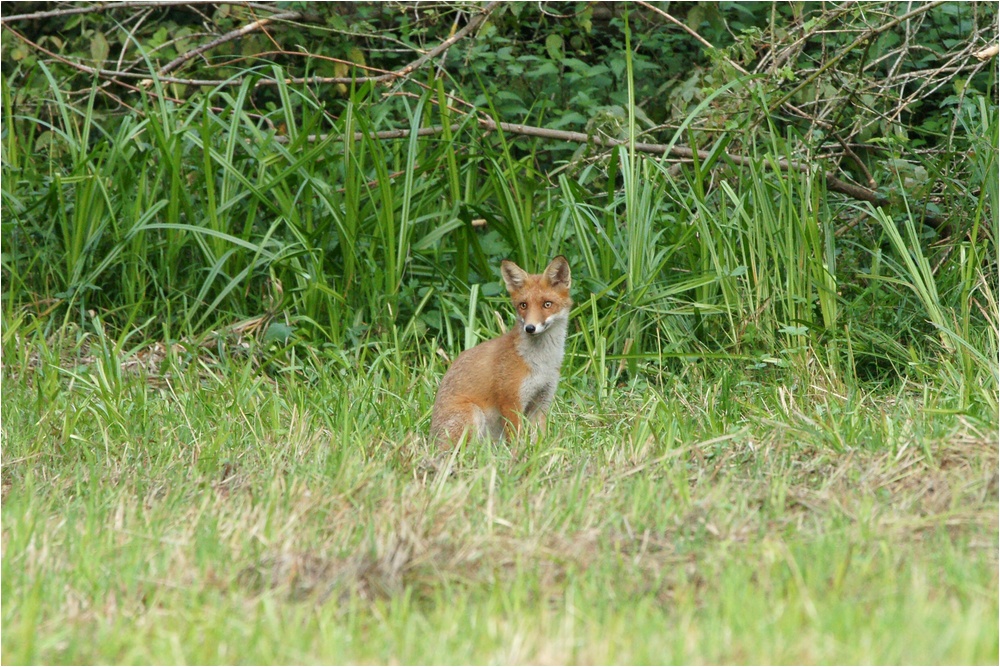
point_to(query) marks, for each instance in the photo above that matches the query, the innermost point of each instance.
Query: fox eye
(547, 304)
(522, 305)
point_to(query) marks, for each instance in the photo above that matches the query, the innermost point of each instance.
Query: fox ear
(513, 275)
(557, 272)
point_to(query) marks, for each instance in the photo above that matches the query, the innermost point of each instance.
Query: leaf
(543, 69)
(641, 116)
(569, 118)
(617, 66)
(99, 47)
(695, 17)
(356, 55)
(160, 36)
(576, 65)
(554, 46)
(508, 95)
(278, 332)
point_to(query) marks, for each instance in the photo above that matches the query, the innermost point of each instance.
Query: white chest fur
(544, 355)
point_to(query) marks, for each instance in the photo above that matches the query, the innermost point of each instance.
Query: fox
(491, 388)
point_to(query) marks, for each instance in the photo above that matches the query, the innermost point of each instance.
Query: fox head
(542, 299)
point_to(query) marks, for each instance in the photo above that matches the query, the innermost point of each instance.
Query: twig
(228, 37)
(785, 54)
(384, 134)
(686, 29)
(474, 22)
(857, 42)
(105, 6)
(261, 55)
(732, 63)
(110, 73)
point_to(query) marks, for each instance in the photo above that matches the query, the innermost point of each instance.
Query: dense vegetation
(240, 242)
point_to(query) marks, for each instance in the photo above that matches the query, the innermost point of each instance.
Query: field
(202, 513)
(227, 306)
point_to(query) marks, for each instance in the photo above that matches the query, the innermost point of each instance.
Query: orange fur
(493, 386)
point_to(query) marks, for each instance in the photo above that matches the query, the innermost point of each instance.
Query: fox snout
(534, 328)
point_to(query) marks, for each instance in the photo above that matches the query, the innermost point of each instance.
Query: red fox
(493, 386)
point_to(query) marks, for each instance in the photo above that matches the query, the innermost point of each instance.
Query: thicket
(783, 183)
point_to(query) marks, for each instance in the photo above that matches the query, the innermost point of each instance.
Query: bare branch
(108, 73)
(867, 35)
(832, 182)
(106, 6)
(474, 22)
(228, 37)
(383, 135)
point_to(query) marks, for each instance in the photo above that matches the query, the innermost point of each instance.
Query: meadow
(775, 439)
(206, 514)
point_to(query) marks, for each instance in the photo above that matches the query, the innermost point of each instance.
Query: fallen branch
(384, 134)
(833, 183)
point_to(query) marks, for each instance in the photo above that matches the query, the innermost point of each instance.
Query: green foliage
(346, 239)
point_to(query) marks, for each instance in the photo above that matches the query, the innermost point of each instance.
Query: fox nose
(530, 328)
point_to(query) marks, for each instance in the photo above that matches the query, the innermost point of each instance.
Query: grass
(775, 442)
(191, 509)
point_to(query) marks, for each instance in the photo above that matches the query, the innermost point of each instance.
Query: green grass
(200, 511)
(775, 442)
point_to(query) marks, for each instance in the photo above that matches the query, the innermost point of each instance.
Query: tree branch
(853, 45)
(228, 37)
(833, 183)
(988, 52)
(473, 23)
(132, 4)
(402, 133)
